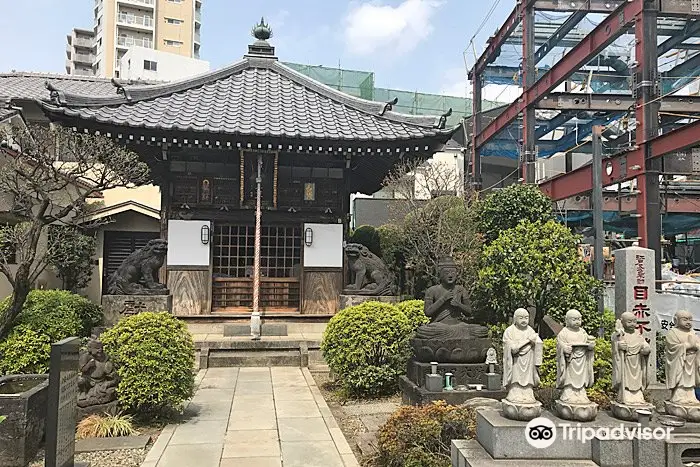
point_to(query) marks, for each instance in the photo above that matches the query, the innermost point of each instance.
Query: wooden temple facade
(202, 137)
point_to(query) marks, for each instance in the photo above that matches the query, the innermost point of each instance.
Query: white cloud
(373, 26)
(454, 83)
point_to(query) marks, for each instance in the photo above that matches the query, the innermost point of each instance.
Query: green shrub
(414, 311)
(391, 243)
(416, 436)
(368, 236)
(25, 352)
(602, 366)
(366, 346)
(154, 354)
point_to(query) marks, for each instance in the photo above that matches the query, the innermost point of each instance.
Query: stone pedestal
(494, 381)
(348, 300)
(117, 307)
(110, 408)
(688, 412)
(433, 383)
(462, 373)
(23, 400)
(628, 412)
(576, 412)
(413, 394)
(522, 412)
(466, 350)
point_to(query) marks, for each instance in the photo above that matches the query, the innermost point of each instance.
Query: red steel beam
(603, 35)
(578, 181)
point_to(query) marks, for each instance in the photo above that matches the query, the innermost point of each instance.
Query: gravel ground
(348, 412)
(126, 458)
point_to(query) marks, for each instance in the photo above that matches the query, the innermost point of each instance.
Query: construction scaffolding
(361, 84)
(628, 65)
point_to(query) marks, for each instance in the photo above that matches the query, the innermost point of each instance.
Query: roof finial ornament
(389, 105)
(262, 31)
(443, 119)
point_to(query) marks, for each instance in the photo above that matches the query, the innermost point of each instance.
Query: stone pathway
(254, 417)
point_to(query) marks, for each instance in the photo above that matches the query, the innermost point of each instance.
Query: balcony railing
(83, 42)
(140, 2)
(198, 15)
(197, 37)
(145, 21)
(134, 42)
(83, 58)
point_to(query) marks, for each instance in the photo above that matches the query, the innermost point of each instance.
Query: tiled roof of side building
(30, 85)
(257, 97)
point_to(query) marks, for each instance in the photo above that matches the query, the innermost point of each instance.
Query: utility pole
(597, 198)
(255, 315)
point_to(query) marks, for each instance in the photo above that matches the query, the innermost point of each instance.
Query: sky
(414, 45)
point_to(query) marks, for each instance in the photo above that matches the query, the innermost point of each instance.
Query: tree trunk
(19, 296)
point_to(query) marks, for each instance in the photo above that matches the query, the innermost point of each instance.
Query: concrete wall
(183, 32)
(148, 195)
(170, 66)
(47, 279)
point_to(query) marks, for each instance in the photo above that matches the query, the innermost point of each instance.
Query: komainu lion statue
(370, 276)
(137, 275)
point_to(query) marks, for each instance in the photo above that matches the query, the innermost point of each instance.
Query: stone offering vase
(466, 350)
(23, 399)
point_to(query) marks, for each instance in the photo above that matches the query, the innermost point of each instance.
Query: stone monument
(682, 372)
(370, 278)
(630, 352)
(97, 382)
(522, 354)
(635, 276)
(575, 353)
(62, 406)
(458, 346)
(134, 286)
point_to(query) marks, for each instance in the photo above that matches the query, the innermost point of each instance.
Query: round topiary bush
(366, 346)
(25, 352)
(414, 311)
(154, 354)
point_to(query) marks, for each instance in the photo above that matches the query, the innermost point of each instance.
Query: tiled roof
(254, 97)
(27, 85)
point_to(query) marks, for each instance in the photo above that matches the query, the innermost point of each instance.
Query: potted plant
(23, 400)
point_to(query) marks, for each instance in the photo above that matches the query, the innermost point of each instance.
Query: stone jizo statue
(98, 380)
(138, 274)
(522, 354)
(630, 354)
(449, 337)
(575, 353)
(682, 372)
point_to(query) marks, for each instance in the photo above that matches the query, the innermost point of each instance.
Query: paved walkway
(254, 417)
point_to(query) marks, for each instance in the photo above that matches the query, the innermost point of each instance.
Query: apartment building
(171, 26)
(80, 52)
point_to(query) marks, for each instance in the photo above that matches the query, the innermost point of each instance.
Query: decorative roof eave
(178, 138)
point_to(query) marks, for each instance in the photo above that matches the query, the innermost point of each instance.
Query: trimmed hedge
(154, 354)
(366, 346)
(414, 311)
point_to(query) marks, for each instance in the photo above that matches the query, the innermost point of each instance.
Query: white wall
(185, 247)
(170, 67)
(326, 250)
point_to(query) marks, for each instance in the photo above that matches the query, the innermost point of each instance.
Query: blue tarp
(672, 223)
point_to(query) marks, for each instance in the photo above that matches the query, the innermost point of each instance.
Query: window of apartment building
(175, 1)
(173, 21)
(173, 43)
(150, 65)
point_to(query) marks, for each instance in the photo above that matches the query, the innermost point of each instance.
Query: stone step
(238, 358)
(469, 453)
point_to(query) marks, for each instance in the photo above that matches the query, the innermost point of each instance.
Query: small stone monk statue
(630, 355)
(682, 372)
(575, 352)
(447, 305)
(98, 378)
(522, 354)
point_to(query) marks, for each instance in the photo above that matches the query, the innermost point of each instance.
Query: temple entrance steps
(283, 343)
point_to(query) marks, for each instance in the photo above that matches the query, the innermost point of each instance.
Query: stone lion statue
(137, 275)
(370, 275)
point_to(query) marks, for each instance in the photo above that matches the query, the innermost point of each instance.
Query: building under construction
(629, 66)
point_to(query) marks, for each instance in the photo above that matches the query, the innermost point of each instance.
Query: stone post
(635, 277)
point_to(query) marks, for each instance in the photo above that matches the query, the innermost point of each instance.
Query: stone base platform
(505, 439)
(110, 408)
(227, 351)
(688, 412)
(469, 453)
(347, 300)
(412, 394)
(266, 329)
(462, 373)
(117, 307)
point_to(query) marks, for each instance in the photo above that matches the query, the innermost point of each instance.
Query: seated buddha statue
(449, 336)
(98, 378)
